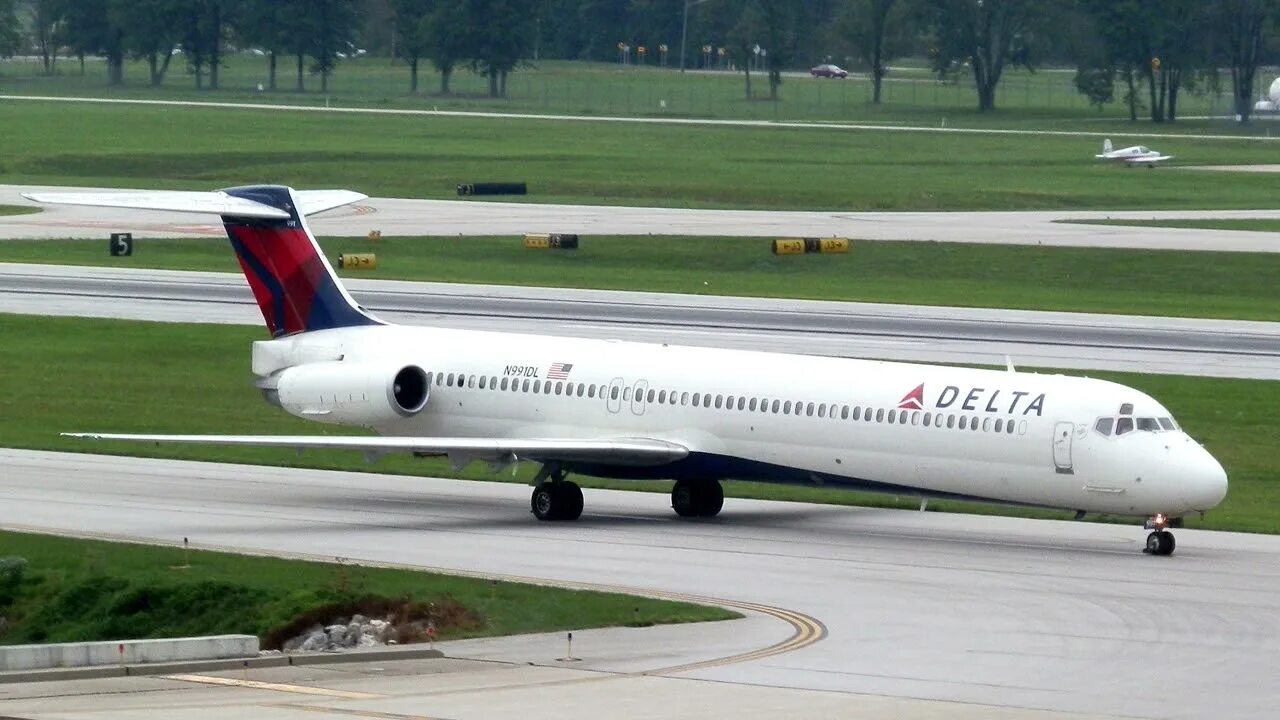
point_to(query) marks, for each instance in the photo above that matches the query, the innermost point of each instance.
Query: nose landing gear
(1160, 541)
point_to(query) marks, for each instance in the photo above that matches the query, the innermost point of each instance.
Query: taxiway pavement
(1014, 616)
(1221, 348)
(413, 217)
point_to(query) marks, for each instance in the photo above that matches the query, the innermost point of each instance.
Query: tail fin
(291, 279)
(1106, 145)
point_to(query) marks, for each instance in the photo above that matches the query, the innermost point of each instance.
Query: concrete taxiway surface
(1000, 616)
(408, 217)
(916, 333)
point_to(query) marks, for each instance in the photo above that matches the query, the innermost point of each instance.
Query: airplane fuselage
(907, 428)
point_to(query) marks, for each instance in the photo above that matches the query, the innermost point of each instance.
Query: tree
(332, 29)
(153, 32)
(265, 25)
(988, 34)
(9, 35)
(780, 39)
(46, 23)
(501, 38)
(446, 38)
(875, 33)
(411, 40)
(91, 30)
(1241, 26)
(745, 36)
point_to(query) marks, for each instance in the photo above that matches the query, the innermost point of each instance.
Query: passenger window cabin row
(740, 403)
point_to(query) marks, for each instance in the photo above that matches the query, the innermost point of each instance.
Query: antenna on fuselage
(1008, 364)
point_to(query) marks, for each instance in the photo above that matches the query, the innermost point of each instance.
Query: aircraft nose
(1205, 482)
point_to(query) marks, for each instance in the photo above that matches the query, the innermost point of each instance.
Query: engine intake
(372, 394)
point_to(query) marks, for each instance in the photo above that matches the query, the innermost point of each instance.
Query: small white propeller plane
(696, 416)
(1132, 156)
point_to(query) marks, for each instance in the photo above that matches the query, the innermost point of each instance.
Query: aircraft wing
(1149, 159)
(310, 202)
(636, 452)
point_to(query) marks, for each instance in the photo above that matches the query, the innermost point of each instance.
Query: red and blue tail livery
(294, 284)
(292, 281)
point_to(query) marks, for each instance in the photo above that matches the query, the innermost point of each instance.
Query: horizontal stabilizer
(310, 202)
(637, 452)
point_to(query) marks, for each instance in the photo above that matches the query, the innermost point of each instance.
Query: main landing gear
(555, 498)
(697, 498)
(1160, 541)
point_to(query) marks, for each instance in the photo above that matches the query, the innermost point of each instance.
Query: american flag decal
(559, 371)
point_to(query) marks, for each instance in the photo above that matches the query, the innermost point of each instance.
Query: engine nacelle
(351, 393)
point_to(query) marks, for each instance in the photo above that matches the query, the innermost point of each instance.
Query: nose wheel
(1160, 541)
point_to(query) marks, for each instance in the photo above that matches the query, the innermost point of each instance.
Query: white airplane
(618, 409)
(1133, 155)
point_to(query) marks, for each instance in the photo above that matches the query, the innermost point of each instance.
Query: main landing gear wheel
(556, 501)
(1160, 542)
(697, 498)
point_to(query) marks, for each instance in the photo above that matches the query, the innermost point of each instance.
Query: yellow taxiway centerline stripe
(279, 687)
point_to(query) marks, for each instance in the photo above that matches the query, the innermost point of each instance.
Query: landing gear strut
(1160, 541)
(555, 498)
(697, 498)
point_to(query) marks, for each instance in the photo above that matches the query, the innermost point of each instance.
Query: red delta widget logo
(976, 399)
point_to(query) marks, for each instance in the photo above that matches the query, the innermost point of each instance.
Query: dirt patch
(411, 621)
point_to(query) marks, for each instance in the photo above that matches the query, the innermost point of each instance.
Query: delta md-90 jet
(697, 416)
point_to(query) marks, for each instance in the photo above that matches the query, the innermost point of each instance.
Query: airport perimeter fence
(599, 89)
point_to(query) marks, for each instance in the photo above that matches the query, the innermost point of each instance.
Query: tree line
(1143, 53)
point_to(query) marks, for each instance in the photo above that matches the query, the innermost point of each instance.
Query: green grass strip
(70, 374)
(604, 163)
(18, 210)
(75, 590)
(1135, 282)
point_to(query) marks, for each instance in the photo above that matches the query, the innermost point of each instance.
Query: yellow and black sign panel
(551, 241)
(833, 245)
(800, 246)
(789, 246)
(358, 261)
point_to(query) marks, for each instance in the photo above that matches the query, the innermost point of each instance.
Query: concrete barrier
(126, 652)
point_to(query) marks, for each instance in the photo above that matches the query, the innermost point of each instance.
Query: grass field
(76, 590)
(912, 95)
(86, 375)
(17, 210)
(1254, 224)
(601, 163)
(1225, 285)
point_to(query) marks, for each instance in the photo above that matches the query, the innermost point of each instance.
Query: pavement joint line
(356, 713)
(279, 687)
(759, 124)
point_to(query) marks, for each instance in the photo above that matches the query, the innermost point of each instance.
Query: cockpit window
(1148, 424)
(1126, 409)
(1124, 425)
(1167, 424)
(1103, 426)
